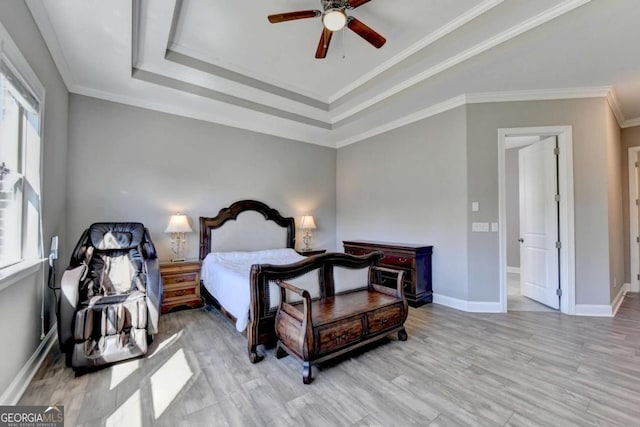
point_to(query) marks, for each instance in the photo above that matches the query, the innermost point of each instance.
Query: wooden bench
(313, 331)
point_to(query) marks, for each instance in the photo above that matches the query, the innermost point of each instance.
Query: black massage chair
(109, 304)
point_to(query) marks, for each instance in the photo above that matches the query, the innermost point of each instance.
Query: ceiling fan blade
(290, 16)
(357, 3)
(323, 46)
(366, 33)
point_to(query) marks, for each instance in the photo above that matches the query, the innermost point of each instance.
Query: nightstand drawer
(174, 293)
(180, 279)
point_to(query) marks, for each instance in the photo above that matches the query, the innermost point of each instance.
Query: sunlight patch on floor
(164, 344)
(121, 371)
(128, 414)
(168, 380)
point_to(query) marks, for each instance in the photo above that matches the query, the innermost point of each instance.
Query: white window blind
(20, 166)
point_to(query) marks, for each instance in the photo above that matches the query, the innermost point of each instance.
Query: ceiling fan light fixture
(334, 19)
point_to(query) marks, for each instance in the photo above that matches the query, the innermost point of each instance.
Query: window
(20, 165)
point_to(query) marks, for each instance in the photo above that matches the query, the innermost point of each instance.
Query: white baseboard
(470, 306)
(597, 310)
(633, 287)
(615, 305)
(515, 270)
(603, 310)
(16, 389)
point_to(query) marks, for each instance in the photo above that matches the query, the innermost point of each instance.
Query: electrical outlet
(480, 227)
(615, 282)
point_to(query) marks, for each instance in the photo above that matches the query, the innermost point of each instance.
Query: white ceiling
(222, 61)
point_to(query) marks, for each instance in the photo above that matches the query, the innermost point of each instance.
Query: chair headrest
(116, 235)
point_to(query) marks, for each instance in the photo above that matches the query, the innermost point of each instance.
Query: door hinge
(637, 202)
(557, 197)
(558, 245)
(636, 164)
(637, 239)
(559, 292)
(638, 276)
(556, 151)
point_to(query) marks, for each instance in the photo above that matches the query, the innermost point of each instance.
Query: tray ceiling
(222, 61)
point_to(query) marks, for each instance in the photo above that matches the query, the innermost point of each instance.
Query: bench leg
(306, 373)
(254, 357)
(280, 352)
(402, 335)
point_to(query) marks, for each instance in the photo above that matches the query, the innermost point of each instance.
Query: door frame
(567, 225)
(634, 253)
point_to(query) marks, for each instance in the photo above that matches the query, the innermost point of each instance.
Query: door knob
(521, 240)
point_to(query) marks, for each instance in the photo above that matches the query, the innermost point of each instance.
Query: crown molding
(631, 123)
(450, 27)
(40, 16)
(197, 114)
(479, 48)
(411, 118)
(481, 98)
(539, 94)
(612, 99)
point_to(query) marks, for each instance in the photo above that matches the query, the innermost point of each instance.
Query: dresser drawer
(395, 260)
(355, 251)
(384, 318)
(336, 335)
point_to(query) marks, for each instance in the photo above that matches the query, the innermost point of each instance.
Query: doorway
(634, 218)
(548, 272)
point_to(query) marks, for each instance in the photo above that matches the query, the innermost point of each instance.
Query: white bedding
(226, 276)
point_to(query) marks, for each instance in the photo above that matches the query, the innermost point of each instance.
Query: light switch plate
(494, 227)
(475, 206)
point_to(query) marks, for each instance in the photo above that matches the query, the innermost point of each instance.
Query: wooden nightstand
(181, 285)
(311, 252)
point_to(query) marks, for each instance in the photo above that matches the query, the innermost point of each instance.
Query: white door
(539, 222)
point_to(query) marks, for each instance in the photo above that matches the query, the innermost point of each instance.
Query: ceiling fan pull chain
(344, 49)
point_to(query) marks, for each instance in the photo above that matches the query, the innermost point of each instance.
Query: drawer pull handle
(180, 293)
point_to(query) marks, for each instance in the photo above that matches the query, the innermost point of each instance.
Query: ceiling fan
(334, 18)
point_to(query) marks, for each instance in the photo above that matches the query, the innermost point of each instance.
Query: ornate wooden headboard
(209, 224)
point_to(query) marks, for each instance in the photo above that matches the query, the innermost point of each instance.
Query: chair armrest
(288, 308)
(68, 303)
(399, 291)
(153, 295)
(296, 290)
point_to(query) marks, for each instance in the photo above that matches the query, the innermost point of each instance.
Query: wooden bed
(260, 329)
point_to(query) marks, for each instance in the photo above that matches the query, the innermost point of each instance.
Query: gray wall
(20, 303)
(616, 227)
(409, 185)
(591, 188)
(128, 163)
(512, 205)
(630, 138)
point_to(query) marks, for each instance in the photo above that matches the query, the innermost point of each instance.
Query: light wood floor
(515, 369)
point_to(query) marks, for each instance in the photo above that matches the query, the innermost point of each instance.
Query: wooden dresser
(180, 285)
(415, 260)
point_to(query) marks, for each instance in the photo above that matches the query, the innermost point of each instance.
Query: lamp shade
(178, 223)
(307, 223)
(334, 19)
